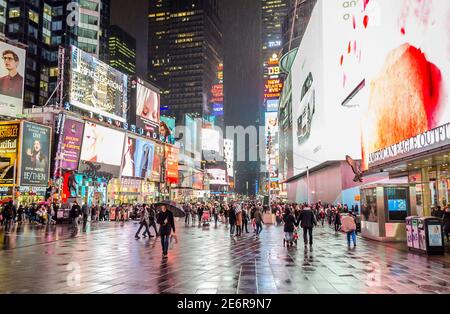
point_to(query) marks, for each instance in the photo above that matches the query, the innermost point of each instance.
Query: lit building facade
(2, 18)
(122, 50)
(42, 26)
(185, 49)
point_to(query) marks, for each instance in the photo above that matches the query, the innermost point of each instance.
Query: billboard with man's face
(12, 73)
(34, 160)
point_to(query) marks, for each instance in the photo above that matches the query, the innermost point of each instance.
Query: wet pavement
(107, 259)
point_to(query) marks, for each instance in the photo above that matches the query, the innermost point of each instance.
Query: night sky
(243, 66)
(133, 19)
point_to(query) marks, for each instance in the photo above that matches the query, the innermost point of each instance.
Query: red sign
(272, 88)
(217, 93)
(172, 163)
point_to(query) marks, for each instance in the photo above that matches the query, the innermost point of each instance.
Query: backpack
(348, 224)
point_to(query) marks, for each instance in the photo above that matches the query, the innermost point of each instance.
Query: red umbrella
(5, 200)
(44, 203)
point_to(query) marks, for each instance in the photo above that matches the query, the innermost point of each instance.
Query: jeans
(143, 224)
(75, 225)
(245, 226)
(351, 234)
(232, 226)
(165, 243)
(238, 230)
(305, 235)
(216, 218)
(258, 228)
(187, 218)
(151, 224)
(337, 227)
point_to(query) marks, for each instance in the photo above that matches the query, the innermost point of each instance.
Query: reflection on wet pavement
(107, 259)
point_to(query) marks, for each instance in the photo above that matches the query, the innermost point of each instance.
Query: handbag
(172, 242)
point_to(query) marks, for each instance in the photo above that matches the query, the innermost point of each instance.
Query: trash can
(430, 236)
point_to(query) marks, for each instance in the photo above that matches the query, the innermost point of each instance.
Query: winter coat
(289, 223)
(307, 218)
(239, 218)
(348, 224)
(165, 219)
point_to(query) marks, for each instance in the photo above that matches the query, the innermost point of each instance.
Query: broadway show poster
(71, 144)
(9, 143)
(35, 152)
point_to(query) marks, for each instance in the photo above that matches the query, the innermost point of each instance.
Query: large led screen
(217, 177)
(12, 73)
(138, 157)
(102, 145)
(408, 79)
(147, 105)
(325, 120)
(97, 87)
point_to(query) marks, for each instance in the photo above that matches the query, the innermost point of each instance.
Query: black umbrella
(175, 208)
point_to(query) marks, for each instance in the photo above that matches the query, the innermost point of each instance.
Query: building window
(14, 12)
(56, 26)
(90, 5)
(33, 16)
(29, 97)
(32, 31)
(46, 39)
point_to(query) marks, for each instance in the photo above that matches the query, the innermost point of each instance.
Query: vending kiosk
(425, 235)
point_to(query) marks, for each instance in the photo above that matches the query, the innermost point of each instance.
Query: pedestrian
(216, 213)
(349, 227)
(144, 220)
(167, 225)
(239, 219)
(187, 210)
(289, 227)
(258, 217)
(337, 220)
(245, 219)
(86, 213)
(307, 221)
(322, 216)
(21, 215)
(8, 214)
(151, 218)
(74, 214)
(446, 221)
(199, 214)
(232, 219)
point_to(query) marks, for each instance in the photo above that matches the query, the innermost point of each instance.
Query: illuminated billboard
(172, 155)
(217, 177)
(318, 90)
(157, 162)
(9, 146)
(97, 87)
(167, 129)
(210, 140)
(70, 140)
(407, 108)
(102, 145)
(147, 101)
(35, 154)
(272, 146)
(228, 151)
(12, 73)
(137, 161)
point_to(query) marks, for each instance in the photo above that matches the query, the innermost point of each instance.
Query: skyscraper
(42, 26)
(2, 18)
(122, 50)
(185, 50)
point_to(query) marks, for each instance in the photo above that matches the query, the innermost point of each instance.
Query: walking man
(258, 216)
(349, 227)
(86, 213)
(144, 220)
(307, 221)
(74, 214)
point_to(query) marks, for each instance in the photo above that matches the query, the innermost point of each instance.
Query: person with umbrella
(167, 225)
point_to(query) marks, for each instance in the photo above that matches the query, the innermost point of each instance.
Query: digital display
(147, 105)
(102, 145)
(138, 157)
(397, 205)
(97, 87)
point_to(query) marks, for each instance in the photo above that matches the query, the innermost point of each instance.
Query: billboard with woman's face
(147, 102)
(102, 145)
(138, 158)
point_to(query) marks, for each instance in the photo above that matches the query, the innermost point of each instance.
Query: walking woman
(167, 225)
(239, 219)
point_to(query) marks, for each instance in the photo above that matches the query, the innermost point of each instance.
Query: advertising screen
(9, 144)
(172, 163)
(102, 145)
(138, 158)
(157, 162)
(12, 73)
(147, 101)
(217, 177)
(408, 79)
(210, 140)
(167, 128)
(318, 90)
(272, 146)
(228, 150)
(35, 156)
(191, 142)
(71, 143)
(97, 87)
(397, 205)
